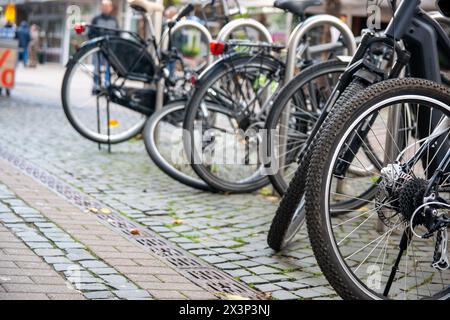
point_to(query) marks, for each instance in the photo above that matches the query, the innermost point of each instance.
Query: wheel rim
(377, 246)
(296, 223)
(180, 165)
(226, 128)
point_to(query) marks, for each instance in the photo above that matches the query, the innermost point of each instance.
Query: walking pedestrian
(104, 20)
(24, 37)
(34, 46)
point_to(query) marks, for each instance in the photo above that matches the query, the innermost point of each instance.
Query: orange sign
(10, 12)
(8, 58)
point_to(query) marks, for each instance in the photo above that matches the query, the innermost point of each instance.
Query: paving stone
(93, 264)
(284, 295)
(116, 279)
(132, 294)
(91, 286)
(307, 293)
(48, 252)
(290, 285)
(238, 273)
(103, 271)
(263, 270)
(214, 259)
(99, 295)
(267, 287)
(274, 277)
(40, 245)
(79, 256)
(57, 296)
(67, 245)
(253, 280)
(57, 260)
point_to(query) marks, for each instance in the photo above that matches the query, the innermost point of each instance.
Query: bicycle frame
(443, 127)
(230, 106)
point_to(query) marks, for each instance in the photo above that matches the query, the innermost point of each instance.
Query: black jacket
(105, 21)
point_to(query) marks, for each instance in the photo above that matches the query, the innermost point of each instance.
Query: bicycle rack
(234, 25)
(223, 35)
(294, 42)
(165, 44)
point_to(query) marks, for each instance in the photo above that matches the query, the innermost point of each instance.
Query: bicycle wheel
(87, 104)
(163, 137)
(379, 252)
(224, 149)
(290, 214)
(296, 109)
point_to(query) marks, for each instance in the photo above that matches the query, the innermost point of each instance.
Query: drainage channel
(199, 272)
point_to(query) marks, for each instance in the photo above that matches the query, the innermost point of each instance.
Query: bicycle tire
(193, 106)
(154, 153)
(278, 238)
(318, 225)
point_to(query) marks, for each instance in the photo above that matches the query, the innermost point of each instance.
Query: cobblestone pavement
(226, 231)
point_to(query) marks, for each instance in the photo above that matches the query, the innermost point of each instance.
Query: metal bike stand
(295, 39)
(229, 28)
(165, 46)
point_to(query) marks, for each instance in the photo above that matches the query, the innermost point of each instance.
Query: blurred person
(104, 20)
(34, 46)
(24, 38)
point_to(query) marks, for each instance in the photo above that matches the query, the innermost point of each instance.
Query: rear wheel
(87, 104)
(223, 144)
(163, 137)
(375, 252)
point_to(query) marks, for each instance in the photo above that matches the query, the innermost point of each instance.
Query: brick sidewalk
(127, 270)
(25, 276)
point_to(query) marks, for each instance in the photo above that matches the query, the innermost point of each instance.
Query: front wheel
(377, 251)
(290, 214)
(163, 137)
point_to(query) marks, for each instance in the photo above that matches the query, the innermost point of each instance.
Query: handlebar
(184, 12)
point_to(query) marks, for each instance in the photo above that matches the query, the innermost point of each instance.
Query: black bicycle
(379, 57)
(115, 77)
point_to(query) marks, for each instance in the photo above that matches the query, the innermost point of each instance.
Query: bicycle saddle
(146, 5)
(297, 7)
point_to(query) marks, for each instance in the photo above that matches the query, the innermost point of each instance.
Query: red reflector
(193, 80)
(217, 48)
(79, 28)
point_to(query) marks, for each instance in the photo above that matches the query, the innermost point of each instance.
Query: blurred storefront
(58, 41)
(52, 16)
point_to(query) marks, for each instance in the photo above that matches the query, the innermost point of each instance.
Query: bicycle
(243, 109)
(373, 62)
(115, 77)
